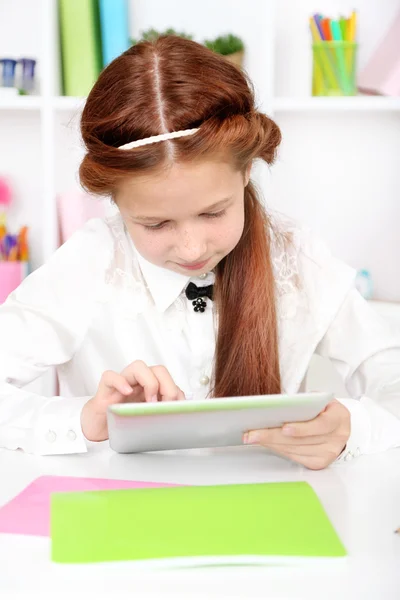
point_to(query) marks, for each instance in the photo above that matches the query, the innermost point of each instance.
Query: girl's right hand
(136, 383)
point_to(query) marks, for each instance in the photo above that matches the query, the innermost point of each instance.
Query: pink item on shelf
(29, 512)
(11, 275)
(381, 75)
(74, 209)
(5, 193)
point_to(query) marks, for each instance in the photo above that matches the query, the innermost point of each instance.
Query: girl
(191, 288)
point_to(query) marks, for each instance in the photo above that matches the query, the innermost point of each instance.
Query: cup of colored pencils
(334, 55)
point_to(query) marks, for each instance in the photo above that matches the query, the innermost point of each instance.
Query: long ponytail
(247, 360)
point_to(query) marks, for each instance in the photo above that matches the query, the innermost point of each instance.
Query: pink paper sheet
(29, 512)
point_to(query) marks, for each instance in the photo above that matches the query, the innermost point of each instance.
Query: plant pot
(236, 58)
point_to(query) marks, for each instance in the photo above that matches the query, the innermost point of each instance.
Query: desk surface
(362, 499)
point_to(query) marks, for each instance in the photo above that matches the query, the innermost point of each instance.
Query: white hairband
(158, 138)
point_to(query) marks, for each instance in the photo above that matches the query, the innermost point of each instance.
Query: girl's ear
(247, 174)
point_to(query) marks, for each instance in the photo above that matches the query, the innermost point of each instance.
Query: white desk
(362, 499)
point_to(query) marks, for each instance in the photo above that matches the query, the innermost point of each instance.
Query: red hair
(173, 84)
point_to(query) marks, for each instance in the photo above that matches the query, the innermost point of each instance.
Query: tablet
(182, 424)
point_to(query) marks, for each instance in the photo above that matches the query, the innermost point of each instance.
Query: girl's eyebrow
(214, 206)
(218, 204)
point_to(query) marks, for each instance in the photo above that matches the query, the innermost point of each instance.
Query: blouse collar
(164, 285)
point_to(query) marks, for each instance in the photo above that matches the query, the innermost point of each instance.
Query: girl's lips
(194, 266)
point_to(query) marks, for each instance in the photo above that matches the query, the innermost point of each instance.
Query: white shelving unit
(43, 128)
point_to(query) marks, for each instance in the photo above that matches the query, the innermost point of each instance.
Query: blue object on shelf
(28, 74)
(8, 75)
(114, 27)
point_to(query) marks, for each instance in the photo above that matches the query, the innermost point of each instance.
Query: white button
(203, 275)
(51, 437)
(204, 380)
(71, 435)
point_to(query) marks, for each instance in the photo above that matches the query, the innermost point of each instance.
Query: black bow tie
(198, 295)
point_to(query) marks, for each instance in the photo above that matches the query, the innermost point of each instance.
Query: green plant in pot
(152, 34)
(230, 46)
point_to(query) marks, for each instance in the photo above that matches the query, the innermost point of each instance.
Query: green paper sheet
(241, 520)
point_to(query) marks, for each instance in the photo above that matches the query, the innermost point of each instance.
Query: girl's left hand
(314, 444)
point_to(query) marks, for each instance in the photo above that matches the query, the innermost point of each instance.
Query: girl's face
(186, 218)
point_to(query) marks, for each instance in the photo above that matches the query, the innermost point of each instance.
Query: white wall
(337, 172)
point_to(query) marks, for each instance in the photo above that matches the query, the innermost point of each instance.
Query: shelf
(68, 103)
(63, 103)
(20, 102)
(349, 103)
(280, 104)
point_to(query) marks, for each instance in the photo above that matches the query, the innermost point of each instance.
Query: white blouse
(98, 305)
